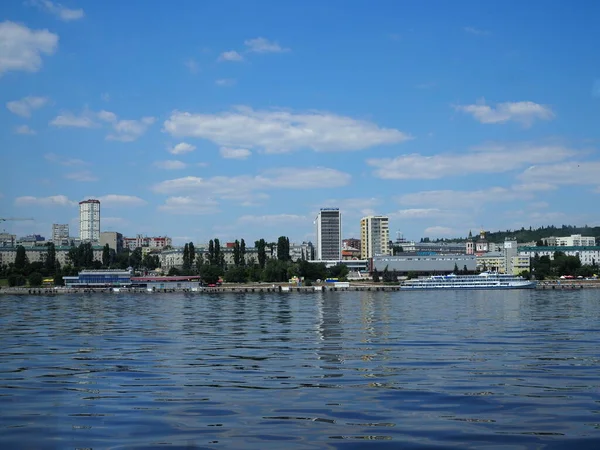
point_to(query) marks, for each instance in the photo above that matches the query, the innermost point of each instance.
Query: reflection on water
(331, 369)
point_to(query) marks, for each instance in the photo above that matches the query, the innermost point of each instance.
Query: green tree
(174, 272)
(186, 260)
(211, 253)
(275, 271)
(21, 260)
(375, 276)
(455, 271)
(237, 254)
(35, 279)
(16, 279)
(236, 274)
(261, 248)
(339, 271)
(210, 274)
(219, 256)
(106, 256)
(135, 258)
(283, 248)
(50, 262)
(242, 252)
(58, 278)
(192, 255)
(150, 261)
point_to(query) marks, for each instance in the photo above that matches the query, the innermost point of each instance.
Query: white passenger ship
(485, 280)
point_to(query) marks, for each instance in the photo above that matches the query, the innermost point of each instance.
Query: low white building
(587, 255)
(575, 240)
(38, 254)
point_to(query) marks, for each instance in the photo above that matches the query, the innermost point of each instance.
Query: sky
(230, 119)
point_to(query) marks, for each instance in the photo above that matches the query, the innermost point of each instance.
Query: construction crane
(2, 219)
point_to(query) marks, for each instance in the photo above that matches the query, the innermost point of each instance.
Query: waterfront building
(351, 243)
(152, 242)
(481, 245)
(31, 240)
(113, 239)
(89, 220)
(60, 233)
(575, 240)
(304, 251)
(99, 278)
(423, 264)
(7, 239)
(374, 236)
(589, 255)
(38, 254)
(440, 247)
(329, 234)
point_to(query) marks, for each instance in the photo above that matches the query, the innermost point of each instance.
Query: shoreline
(258, 288)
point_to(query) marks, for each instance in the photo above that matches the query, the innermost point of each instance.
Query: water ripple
(329, 370)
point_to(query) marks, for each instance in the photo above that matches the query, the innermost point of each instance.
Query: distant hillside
(534, 234)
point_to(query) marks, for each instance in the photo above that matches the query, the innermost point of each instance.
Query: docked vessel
(485, 280)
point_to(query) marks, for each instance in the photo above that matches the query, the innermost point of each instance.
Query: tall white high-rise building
(89, 220)
(374, 236)
(60, 233)
(329, 234)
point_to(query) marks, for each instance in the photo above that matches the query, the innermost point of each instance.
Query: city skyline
(243, 121)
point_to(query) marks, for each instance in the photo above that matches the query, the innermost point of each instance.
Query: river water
(422, 370)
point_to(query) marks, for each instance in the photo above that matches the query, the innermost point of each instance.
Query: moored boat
(484, 280)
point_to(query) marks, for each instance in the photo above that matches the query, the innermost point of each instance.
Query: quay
(49, 291)
(200, 290)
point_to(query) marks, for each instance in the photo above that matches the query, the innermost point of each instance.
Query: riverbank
(266, 288)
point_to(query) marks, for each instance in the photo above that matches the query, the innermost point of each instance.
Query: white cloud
(53, 200)
(182, 147)
(489, 158)
(225, 82)
(68, 119)
(107, 116)
(476, 31)
(189, 206)
(282, 131)
(130, 130)
(439, 231)
(572, 172)
(113, 221)
(230, 56)
(234, 153)
(116, 200)
(523, 112)
(54, 158)
(262, 45)
(460, 199)
(170, 164)
(272, 219)
(24, 129)
(26, 105)
(60, 11)
(192, 65)
(534, 187)
(416, 213)
(246, 188)
(21, 47)
(83, 175)
(123, 130)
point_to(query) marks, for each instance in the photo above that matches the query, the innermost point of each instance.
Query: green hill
(534, 234)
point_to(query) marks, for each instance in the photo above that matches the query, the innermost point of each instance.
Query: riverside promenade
(266, 288)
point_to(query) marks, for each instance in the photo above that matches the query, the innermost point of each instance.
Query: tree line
(212, 268)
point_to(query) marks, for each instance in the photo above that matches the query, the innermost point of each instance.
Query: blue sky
(232, 119)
